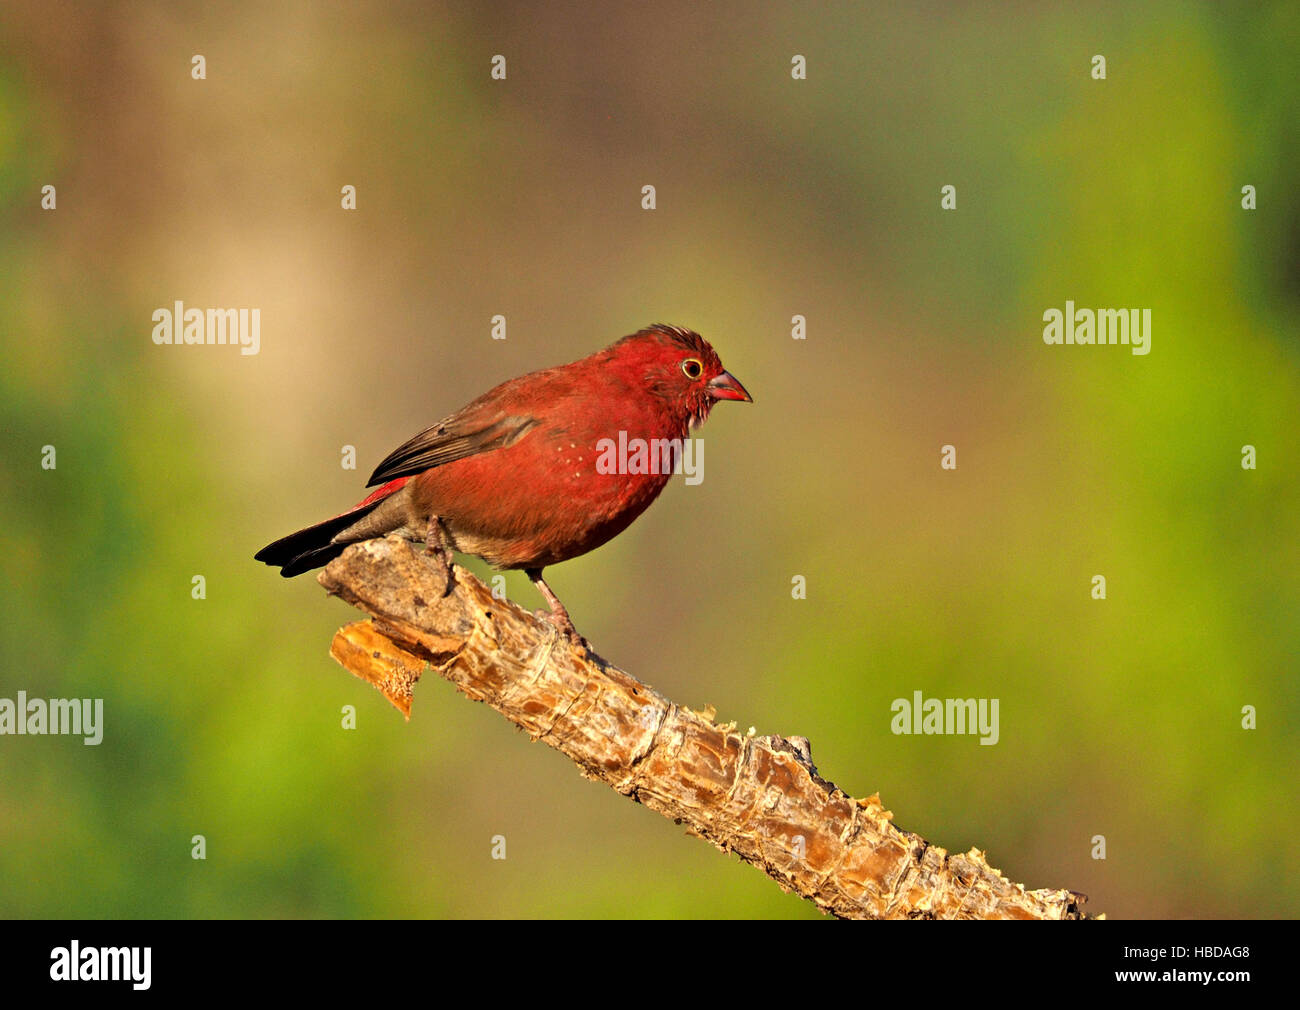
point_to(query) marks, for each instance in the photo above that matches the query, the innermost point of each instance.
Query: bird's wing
(468, 432)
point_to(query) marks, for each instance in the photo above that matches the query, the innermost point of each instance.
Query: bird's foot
(441, 560)
(557, 615)
(560, 621)
(435, 546)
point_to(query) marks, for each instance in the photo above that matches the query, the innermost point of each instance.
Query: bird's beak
(726, 387)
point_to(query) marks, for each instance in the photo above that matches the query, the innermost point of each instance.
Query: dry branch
(758, 796)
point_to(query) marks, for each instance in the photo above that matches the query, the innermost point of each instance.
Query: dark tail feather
(313, 547)
(318, 558)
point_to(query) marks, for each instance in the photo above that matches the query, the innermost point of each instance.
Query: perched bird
(513, 478)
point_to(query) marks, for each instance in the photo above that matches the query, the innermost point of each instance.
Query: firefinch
(522, 476)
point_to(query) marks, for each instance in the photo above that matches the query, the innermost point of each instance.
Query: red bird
(513, 478)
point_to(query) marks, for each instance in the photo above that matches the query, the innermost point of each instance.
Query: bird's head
(680, 367)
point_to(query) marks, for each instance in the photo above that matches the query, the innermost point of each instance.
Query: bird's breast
(557, 493)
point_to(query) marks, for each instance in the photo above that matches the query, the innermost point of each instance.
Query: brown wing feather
(455, 437)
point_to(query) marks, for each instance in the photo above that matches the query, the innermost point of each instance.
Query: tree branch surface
(760, 797)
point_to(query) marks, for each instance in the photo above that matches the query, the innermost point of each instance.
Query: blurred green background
(776, 197)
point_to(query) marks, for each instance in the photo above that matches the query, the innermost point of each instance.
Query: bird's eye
(693, 368)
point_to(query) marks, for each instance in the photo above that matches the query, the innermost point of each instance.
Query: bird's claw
(442, 561)
(562, 624)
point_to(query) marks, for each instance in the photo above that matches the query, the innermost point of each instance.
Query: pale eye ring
(693, 368)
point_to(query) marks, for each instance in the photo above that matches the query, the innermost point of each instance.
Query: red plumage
(512, 477)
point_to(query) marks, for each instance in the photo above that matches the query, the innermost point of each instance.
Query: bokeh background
(776, 197)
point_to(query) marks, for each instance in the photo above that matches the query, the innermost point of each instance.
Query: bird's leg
(558, 616)
(436, 545)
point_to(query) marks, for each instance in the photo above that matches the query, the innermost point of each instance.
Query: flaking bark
(758, 796)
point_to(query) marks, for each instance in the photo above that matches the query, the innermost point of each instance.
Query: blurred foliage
(821, 197)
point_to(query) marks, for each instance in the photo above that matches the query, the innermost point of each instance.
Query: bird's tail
(316, 546)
